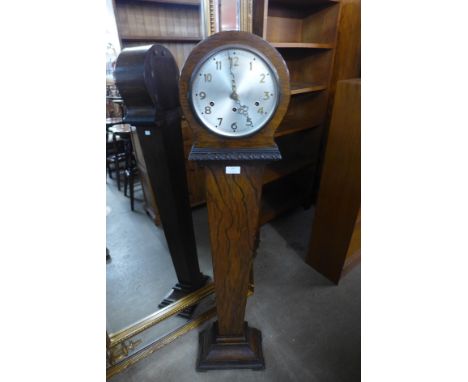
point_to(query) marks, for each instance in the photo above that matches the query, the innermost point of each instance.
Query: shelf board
(277, 170)
(306, 87)
(280, 133)
(301, 45)
(162, 38)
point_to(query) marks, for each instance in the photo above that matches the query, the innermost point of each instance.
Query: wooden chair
(122, 151)
(130, 174)
(115, 157)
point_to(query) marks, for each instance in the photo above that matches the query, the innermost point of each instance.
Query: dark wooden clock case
(147, 78)
(233, 209)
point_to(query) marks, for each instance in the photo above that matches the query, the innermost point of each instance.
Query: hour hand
(233, 95)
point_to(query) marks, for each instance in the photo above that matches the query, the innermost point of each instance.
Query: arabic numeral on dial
(251, 65)
(262, 80)
(260, 110)
(208, 77)
(220, 121)
(218, 65)
(202, 95)
(234, 126)
(207, 110)
(266, 96)
(234, 61)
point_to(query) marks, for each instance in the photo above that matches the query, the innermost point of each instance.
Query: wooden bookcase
(176, 25)
(172, 23)
(304, 32)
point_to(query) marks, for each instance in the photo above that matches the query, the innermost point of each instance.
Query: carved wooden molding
(238, 154)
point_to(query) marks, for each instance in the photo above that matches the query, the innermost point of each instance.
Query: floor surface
(310, 328)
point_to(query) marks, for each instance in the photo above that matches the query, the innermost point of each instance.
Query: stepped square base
(216, 352)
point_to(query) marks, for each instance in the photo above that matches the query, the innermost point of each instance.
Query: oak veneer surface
(347, 59)
(355, 242)
(347, 62)
(339, 196)
(233, 211)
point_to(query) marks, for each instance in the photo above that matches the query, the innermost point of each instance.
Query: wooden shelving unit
(176, 25)
(305, 87)
(172, 23)
(160, 38)
(273, 201)
(304, 32)
(302, 45)
(280, 169)
(280, 133)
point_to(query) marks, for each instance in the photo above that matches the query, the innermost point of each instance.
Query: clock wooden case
(234, 161)
(147, 79)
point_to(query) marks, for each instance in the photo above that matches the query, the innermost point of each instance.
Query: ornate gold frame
(209, 11)
(119, 344)
(246, 15)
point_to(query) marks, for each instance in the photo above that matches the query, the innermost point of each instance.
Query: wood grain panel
(313, 24)
(348, 48)
(355, 242)
(233, 211)
(177, 27)
(306, 110)
(320, 26)
(347, 60)
(282, 29)
(308, 66)
(145, 19)
(195, 173)
(339, 197)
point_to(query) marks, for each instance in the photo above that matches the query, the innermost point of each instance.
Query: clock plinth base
(177, 292)
(220, 353)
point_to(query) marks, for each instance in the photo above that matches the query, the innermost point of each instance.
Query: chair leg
(125, 183)
(132, 200)
(109, 169)
(117, 174)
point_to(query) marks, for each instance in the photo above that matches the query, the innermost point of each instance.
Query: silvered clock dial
(234, 91)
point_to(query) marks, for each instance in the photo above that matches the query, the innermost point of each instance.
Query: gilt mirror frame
(123, 348)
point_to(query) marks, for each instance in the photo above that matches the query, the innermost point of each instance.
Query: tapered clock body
(147, 78)
(234, 92)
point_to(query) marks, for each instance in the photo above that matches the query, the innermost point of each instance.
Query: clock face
(234, 91)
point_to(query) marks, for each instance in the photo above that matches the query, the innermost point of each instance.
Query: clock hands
(233, 95)
(242, 109)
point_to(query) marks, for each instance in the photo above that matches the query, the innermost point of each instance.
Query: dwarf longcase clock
(234, 92)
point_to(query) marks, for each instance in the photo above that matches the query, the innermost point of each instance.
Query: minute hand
(242, 109)
(233, 95)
